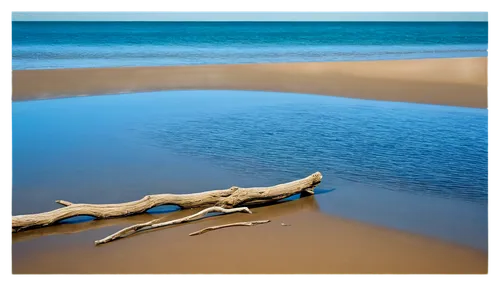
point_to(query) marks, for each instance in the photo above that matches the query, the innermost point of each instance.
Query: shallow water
(414, 167)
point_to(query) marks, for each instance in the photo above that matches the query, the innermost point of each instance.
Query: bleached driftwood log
(229, 198)
(266, 212)
(246, 223)
(156, 224)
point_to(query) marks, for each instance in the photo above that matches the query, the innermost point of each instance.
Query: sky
(249, 16)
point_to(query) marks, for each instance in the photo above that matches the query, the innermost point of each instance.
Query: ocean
(50, 45)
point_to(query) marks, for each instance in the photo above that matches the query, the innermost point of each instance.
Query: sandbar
(453, 81)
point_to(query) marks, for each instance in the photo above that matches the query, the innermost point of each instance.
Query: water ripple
(414, 148)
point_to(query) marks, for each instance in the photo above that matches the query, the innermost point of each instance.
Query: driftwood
(270, 211)
(246, 223)
(156, 224)
(229, 198)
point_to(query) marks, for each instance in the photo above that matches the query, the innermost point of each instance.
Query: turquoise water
(420, 168)
(40, 45)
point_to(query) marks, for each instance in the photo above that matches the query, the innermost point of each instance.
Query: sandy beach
(314, 242)
(456, 82)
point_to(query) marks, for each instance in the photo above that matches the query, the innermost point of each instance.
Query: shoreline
(446, 81)
(250, 63)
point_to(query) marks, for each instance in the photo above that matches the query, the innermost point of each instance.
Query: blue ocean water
(43, 45)
(416, 167)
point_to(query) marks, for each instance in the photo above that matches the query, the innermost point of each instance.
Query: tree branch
(247, 223)
(154, 223)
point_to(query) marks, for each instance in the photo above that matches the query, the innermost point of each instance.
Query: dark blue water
(37, 45)
(417, 167)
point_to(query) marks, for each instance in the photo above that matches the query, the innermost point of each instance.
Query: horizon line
(256, 20)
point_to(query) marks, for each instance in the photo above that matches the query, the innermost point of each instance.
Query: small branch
(153, 224)
(247, 223)
(64, 203)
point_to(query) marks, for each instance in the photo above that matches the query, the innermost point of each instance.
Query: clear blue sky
(249, 16)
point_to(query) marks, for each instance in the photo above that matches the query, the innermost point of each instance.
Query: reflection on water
(393, 164)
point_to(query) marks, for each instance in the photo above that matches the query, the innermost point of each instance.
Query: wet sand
(457, 82)
(313, 243)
